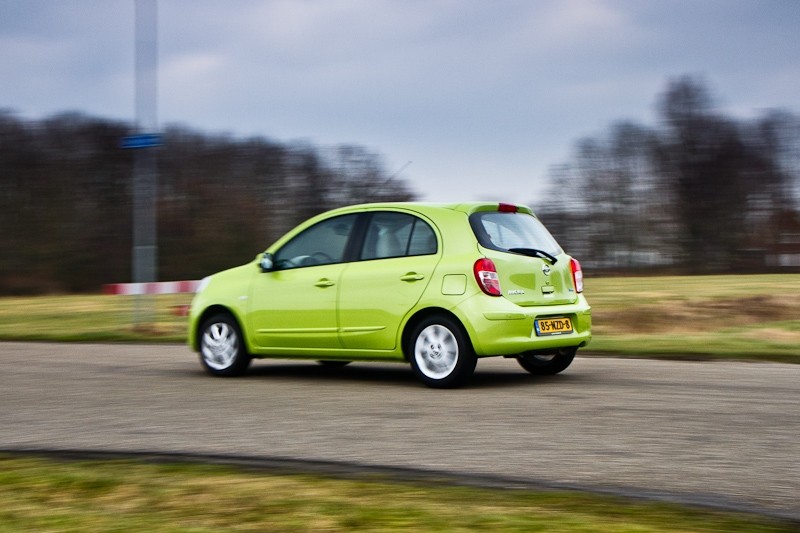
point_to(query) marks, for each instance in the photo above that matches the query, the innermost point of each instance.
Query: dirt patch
(697, 315)
(775, 335)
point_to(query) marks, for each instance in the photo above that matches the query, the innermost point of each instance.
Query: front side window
(321, 244)
(509, 231)
(397, 235)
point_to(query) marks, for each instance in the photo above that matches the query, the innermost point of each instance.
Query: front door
(294, 306)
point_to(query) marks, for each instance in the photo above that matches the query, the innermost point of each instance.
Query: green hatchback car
(435, 285)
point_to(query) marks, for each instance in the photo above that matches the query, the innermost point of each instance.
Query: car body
(435, 285)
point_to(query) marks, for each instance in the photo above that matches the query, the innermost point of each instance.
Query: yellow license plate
(552, 326)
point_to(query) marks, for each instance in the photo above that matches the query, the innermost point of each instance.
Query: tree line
(700, 192)
(66, 199)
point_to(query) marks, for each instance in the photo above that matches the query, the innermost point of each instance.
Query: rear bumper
(499, 327)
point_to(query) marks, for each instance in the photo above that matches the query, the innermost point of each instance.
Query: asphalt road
(724, 434)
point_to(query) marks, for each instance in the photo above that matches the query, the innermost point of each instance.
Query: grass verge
(93, 318)
(754, 317)
(38, 494)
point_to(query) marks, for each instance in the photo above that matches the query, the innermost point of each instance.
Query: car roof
(427, 207)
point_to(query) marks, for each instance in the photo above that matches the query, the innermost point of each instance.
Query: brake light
(577, 274)
(486, 276)
(507, 208)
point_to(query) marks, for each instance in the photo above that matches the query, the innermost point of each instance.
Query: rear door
(395, 264)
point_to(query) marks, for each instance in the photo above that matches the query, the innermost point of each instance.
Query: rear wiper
(533, 252)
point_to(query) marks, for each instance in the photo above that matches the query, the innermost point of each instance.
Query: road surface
(725, 434)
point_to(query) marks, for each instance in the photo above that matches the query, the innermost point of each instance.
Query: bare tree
(65, 199)
(702, 192)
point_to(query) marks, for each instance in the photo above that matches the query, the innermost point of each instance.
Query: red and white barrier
(159, 287)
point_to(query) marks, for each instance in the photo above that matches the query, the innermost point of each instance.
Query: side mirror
(267, 262)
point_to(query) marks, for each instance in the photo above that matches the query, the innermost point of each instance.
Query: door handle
(412, 276)
(324, 283)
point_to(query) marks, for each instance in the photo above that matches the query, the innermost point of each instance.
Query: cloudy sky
(466, 99)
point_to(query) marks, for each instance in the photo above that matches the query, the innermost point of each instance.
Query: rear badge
(546, 269)
(514, 292)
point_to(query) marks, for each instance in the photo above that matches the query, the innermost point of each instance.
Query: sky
(463, 99)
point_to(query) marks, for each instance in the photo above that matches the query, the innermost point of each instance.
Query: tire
(440, 353)
(547, 364)
(222, 349)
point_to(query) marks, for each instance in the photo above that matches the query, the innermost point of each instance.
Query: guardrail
(157, 287)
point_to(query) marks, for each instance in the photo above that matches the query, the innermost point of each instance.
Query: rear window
(504, 231)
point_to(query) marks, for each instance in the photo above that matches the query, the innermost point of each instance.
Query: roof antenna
(401, 169)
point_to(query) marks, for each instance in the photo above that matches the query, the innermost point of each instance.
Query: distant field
(746, 317)
(94, 318)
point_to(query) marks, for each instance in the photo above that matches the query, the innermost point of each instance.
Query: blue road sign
(142, 140)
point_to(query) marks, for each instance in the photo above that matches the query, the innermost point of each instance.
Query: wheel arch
(421, 315)
(210, 311)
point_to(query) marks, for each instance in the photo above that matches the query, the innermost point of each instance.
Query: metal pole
(145, 176)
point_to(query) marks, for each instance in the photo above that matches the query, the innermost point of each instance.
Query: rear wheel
(440, 353)
(547, 364)
(222, 350)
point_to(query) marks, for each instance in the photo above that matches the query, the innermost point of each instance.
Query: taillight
(486, 276)
(507, 208)
(577, 274)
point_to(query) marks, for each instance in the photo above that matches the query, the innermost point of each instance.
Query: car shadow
(312, 371)
(391, 374)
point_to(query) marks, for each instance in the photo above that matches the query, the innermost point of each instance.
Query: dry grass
(755, 317)
(698, 315)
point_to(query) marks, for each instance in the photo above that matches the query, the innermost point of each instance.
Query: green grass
(47, 495)
(740, 317)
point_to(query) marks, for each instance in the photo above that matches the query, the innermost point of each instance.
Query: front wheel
(222, 350)
(541, 364)
(440, 353)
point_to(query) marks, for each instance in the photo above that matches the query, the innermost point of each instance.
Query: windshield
(512, 232)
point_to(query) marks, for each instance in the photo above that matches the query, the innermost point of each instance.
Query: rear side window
(504, 231)
(397, 235)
